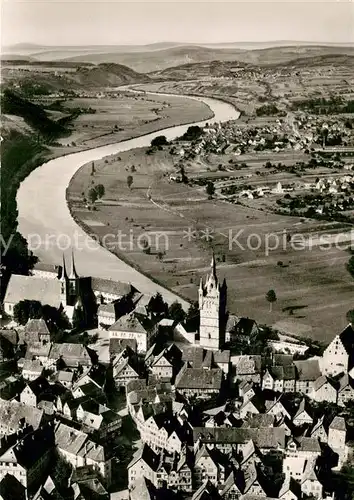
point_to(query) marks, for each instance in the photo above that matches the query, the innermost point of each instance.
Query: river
(45, 221)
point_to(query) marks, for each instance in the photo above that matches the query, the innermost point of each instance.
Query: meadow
(314, 289)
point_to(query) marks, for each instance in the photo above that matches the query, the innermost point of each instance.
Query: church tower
(63, 279)
(69, 284)
(212, 308)
(73, 283)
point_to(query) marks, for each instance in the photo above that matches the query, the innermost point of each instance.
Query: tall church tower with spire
(212, 308)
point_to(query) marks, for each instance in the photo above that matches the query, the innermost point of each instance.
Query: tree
(184, 178)
(130, 181)
(160, 140)
(157, 305)
(350, 265)
(210, 189)
(27, 309)
(193, 317)
(176, 312)
(100, 190)
(271, 298)
(79, 318)
(350, 316)
(61, 472)
(92, 195)
(146, 246)
(193, 133)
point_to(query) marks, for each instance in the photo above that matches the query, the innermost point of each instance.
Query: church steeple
(62, 272)
(213, 266)
(73, 274)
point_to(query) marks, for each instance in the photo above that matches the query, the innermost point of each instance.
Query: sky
(82, 22)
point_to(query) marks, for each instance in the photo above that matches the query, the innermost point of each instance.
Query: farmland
(313, 287)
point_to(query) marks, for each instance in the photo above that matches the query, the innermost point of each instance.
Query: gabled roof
(303, 407)
(39, 386)
(270, 437)
(321, 381)
(108, 286)
(32, 366)
(69, 439)
(36, 327)
(309, 472)
(12, 489)
(45, 290)
(308, 369)
(347, 338)
(338, 423)
(247, 364)
(69, 351)
(133, 322)
(12, 413)
(11, 335)
(207, 491)
(199, 378)
(146, 454)
(118, 345)
(344, 382)
(290, 484)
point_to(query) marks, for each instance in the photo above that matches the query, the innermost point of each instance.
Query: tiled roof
(338, 423)
(112, 287)
(10, 334)
(49, 268)
(247, 364)
(321, 381)
(308, 370)
(33, 366)
(36, 326)
(199, 378)
(347, 338)
(129, 323)
(12, 489)
(65, 376)
(69, 351)
(69, 439)
(303, 407)
(269, 437)
(12, 412)
(45, 290)
(310, 444)
(146, 454)
(118, 345)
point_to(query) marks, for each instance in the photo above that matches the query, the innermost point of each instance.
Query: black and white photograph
(177, 250)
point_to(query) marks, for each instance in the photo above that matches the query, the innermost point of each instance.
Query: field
(128, 115)
(313, 287)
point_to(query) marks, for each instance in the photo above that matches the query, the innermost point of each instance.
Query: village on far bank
(109, 393)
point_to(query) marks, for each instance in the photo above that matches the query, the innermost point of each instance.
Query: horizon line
(141, 44)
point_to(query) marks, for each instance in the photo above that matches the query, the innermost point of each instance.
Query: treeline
(323, 106)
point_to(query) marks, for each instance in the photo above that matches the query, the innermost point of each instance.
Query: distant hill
(145, 62)
(107, 74)
(162, 55)
(85, 76)
(228, 69)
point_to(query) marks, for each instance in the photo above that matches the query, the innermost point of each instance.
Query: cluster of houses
(212, 425)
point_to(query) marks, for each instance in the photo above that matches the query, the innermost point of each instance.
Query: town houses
(207, 422)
